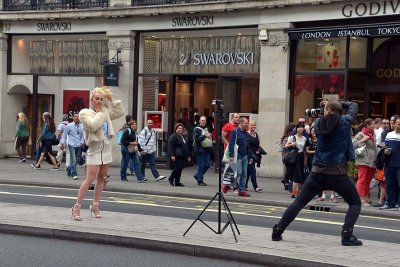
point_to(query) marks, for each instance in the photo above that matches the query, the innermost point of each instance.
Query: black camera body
(314, 112)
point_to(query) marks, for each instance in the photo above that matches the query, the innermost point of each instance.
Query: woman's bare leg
(91, 172)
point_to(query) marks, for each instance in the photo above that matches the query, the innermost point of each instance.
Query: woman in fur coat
(98, 131)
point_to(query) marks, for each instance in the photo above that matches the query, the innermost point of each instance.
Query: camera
(314, 112)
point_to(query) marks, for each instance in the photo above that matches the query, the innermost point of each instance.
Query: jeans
(130, 157)
(317, 182)
(242, 173)
(392, 175)
(251, 173)
(151, 159)
(74, 154)
(203, 163)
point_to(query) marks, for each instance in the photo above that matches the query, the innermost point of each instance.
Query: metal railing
(19, 5)
(167, 2)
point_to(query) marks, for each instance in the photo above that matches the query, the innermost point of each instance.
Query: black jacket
(126, 138)
(177, 147)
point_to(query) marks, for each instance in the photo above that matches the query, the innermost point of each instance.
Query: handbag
(361, 151)
(225, 158)
(290, 154)
(132, 148)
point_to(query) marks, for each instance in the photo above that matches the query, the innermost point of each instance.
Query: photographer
(329, 170)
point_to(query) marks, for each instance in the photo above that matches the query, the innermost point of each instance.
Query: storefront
(182, 72)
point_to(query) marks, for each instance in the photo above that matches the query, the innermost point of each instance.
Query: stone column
(274, 95)
(122, 41)
(3, 82)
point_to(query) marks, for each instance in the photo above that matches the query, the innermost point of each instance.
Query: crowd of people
(86, 140)
(368, 139)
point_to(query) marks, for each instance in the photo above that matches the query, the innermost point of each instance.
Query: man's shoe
(171, 181)
(244, 194)
(348, 239)
(55, 169)
(377, 205)
(75, 177)
(195, 177)
(276, 233)
(161, 177)
(386, 207)
(124, 180)
(225, 188)
(143, 180)
(202, 184)
(22, 160)
(179, 184)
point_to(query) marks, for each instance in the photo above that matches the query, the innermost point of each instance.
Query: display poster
(74, 101)
(157, 118)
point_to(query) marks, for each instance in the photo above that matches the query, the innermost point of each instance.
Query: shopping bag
(230, 174)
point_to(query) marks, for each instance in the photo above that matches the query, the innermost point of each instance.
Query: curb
(321, 207)
(162, 246)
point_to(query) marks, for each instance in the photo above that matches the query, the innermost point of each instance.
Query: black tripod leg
(201, 213)
(228, 211)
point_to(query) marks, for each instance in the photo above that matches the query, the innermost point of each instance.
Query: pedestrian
(295, 170)
(254, 142)
(365, 141)
(392, 165)
(378, 130)
(203, 150)
(147, 141)
(241, 138)
(329, 171)
(130, 150)
(286, 181)
(178, 151)
(60, 131)
(128, 118)
(226, 133)
(73, 138)
(46, 141)
(98, 132)
(22, 137)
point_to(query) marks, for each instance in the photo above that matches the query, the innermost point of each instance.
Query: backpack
(120, 133)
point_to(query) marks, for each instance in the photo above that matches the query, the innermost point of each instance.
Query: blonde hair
(22, 118)
(102, 90)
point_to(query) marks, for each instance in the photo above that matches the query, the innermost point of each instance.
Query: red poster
(74, 101)
(157, 120)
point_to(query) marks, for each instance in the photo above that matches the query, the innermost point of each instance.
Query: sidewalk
(272, 194)
(165, 234)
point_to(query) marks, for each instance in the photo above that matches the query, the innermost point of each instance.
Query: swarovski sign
(231, 58)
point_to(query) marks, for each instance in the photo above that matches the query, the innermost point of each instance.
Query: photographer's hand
(323, 103)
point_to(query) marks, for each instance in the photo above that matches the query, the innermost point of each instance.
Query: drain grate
(320, 208)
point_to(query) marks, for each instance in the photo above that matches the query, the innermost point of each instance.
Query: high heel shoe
(93, 212)
(76, 212)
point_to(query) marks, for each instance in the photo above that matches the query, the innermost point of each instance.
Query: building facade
(269, 60)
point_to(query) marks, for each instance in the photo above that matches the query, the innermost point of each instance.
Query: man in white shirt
(378, 131)
(147, 141)
(60, 130)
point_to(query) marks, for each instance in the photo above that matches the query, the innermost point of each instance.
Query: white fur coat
(93, 122)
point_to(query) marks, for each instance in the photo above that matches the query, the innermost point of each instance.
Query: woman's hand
(189, 159)
(173, 158)
(365, 138)
(133, 143)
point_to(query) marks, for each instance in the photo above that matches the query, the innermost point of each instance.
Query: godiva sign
(374, 8)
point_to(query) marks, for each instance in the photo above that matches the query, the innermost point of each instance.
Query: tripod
(219, 196)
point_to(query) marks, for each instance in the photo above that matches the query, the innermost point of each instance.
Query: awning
(344, 31)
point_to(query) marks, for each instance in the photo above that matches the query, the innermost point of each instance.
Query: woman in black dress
(178, 152)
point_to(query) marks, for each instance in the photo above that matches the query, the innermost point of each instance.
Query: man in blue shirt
(73, 136)
(392, 165)
(241, 138)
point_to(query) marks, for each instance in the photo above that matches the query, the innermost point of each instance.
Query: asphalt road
(20, 251)
(328, 223)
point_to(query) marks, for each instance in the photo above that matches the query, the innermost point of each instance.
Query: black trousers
(176, 173)
(317, 182)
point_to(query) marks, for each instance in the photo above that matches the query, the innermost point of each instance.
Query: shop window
(358, 53)
(56, 55)
(321, 54)
(309, 90)
(249, 95)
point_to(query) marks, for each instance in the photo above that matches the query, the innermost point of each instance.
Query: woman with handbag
(254, 143)
(178, 151)
(365, 150)
(46, 142)
(22, 136)
(295, 169)
(283, 140)
(130, 149)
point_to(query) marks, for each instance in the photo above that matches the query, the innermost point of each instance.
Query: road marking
(251, 207)
(199, 208)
